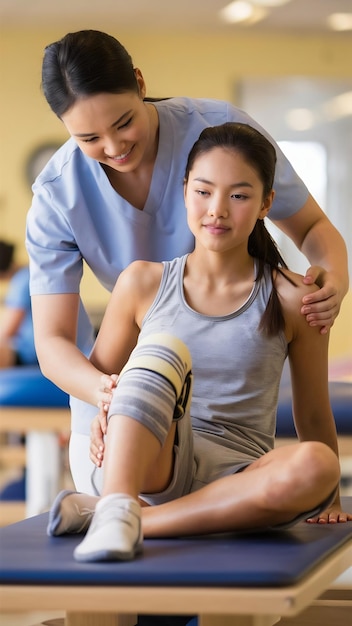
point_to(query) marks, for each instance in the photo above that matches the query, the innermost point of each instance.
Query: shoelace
(86, 513)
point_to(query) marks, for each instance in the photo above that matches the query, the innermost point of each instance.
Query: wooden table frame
(41, 427)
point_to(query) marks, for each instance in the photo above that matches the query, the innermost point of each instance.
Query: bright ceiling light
(242, 12)
(237, 11)
(271, 3)
(339, 106)
(340, 21)
(300, 119)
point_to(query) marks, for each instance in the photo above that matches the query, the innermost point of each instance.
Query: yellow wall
(173, 64)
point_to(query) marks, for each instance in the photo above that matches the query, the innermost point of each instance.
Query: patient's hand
(99, 424)
(107, 385)
(97, 446)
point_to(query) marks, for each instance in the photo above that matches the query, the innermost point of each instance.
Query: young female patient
(179, 460)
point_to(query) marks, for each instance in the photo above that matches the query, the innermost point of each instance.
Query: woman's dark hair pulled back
(242, 138)
(260, 154)
(82, 64)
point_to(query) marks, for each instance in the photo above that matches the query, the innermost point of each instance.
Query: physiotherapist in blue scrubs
(113, 193)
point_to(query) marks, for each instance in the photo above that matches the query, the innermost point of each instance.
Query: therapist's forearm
(323, 245)
(63, 363)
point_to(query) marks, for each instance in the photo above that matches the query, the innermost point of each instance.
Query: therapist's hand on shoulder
(321, 307)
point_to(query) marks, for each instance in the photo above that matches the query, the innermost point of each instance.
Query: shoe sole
(107, 555)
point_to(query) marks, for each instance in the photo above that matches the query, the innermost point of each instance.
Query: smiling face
(114, 129)
(224, 199)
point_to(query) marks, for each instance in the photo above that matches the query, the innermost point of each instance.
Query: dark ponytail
(261, 155)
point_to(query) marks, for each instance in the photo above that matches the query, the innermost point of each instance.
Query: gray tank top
(236, 368)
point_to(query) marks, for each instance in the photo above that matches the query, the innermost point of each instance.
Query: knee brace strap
(168, 356)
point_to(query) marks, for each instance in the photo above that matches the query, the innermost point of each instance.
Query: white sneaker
(115, 533)
(71, 512)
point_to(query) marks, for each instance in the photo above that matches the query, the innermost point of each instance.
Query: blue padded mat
(26, 386)
(271, 559)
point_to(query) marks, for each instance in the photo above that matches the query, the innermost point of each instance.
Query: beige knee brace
(168, 356)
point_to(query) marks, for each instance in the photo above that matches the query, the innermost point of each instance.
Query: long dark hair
(258, 152)
(82, 64)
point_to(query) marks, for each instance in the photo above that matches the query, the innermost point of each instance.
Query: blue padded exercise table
(244, 579)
